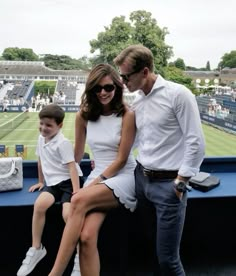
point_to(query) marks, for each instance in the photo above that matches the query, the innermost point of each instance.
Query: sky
(199, 30)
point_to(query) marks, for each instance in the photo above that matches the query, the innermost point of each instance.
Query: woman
(108, 126)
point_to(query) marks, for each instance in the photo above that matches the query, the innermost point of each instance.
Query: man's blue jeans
(170, 215)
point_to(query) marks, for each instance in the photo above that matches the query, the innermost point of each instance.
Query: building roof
(36, 68)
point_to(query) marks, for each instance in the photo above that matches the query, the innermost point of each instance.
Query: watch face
(181, 186)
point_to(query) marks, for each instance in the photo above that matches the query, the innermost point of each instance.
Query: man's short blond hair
(138, 57)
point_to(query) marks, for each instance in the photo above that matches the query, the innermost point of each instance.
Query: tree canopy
(16, 53)
(140, 29)
(208, 66)
(179, 63)
(177, 75)
(65, 62)
(228, 60)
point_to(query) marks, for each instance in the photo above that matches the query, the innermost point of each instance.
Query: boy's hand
(35, 187)
(75, 192)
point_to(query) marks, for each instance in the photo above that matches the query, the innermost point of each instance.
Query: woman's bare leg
(92, 197)
(89, 256)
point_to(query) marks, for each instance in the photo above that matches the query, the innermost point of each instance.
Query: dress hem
(120, 199)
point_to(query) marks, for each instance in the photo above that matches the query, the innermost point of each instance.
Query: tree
(58, 62)
(147, 32)
(16, 53)
(141, 29)
(228, 60)
(112, 41)
(179, 63)
(208, 67)
(85, 63)
(64, 62)
(44, 87)
(175, 74)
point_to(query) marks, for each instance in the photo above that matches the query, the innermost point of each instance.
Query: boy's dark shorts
(62, 191)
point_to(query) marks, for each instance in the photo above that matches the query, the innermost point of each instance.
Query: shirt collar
(159, 83)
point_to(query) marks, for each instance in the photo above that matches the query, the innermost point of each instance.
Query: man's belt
(159, 174)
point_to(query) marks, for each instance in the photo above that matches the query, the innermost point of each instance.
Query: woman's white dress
(103, 138)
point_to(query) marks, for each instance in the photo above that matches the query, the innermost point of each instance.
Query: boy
(57, 168)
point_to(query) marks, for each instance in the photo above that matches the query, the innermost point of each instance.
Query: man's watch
(180, 185)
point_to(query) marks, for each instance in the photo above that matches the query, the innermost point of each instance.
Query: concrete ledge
(224, 168)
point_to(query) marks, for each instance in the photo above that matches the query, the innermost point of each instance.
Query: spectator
(170, 148)
(5, 104)
(57, 167)
(109, 128)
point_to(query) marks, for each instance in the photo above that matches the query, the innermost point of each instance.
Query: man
(170, 148)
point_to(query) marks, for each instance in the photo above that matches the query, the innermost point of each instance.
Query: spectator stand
(19, 91)
(65, 92)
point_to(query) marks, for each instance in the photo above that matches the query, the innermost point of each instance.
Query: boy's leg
(37, 251)
(41, 205)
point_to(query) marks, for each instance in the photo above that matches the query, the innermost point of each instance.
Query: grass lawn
(218, 143)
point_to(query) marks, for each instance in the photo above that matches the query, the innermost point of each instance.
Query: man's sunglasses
(107, 87)
(125, 77)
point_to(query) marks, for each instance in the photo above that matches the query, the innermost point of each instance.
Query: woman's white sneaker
(76, 268)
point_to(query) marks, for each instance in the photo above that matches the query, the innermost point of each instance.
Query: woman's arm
(80, 137)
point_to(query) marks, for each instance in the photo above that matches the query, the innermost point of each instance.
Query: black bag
(204, 182)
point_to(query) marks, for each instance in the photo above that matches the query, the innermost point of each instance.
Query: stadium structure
(217, 97)
(225, 76)
(17, 80)
(17, 84)
(217, 103)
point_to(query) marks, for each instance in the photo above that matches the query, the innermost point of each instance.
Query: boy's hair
(138, 57)
(52, 111)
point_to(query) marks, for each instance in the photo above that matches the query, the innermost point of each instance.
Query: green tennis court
(27, 132)
(218, 143)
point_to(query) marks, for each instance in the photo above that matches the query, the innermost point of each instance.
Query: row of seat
(20, 151)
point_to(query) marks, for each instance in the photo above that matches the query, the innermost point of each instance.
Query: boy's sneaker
(33, 256)
(76, 268)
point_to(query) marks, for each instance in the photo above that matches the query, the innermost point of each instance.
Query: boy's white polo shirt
(54, 156)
